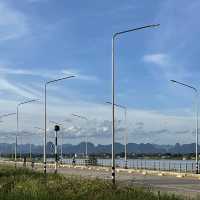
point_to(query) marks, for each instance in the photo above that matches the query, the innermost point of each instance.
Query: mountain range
(132, 148)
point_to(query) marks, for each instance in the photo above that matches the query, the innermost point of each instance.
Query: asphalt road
(186, 186)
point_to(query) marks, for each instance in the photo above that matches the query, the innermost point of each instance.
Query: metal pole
(125, 131)
(30, 151)
(25, 102)
(113, 109)
(196, 102)
(16, 136)
(56, 155)
(126, 137)
(113, 91)
(7, 115)
(16, 150)
(45, 126)
(17, 121)
(86, 137)
(45, 115)
(61, 148)
(86, 146)
(197, 111)
(20, 147)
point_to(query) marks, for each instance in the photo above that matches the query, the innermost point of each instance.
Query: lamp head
(173, 81)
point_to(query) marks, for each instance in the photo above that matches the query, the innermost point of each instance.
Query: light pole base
(113, 175)
(125, 166)
(45, 168)
(197, 168)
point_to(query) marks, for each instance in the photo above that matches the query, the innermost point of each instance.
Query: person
(24, 164)
(32, 164)
(73, 160)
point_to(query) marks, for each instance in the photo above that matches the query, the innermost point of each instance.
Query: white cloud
(13, 24)
(5, 85)
(6, 70)
(157, 58)
(51, 74)
(142, 125)
(163, 65)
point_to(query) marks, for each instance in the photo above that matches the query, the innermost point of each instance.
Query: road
(186, 186)
(189, 187)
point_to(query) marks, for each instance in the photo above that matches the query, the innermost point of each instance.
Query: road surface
(186, 186)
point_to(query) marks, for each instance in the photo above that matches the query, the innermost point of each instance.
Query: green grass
(23, 184)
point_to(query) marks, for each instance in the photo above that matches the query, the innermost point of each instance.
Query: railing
(140, 164)
(159, 165)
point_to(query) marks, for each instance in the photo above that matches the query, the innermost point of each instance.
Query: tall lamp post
(196, 128)
(125, 132)
(18, 105)
(115, 35)
(6, 137)
(30, 144)
(86, 137)
(45, 115)
(7, 115)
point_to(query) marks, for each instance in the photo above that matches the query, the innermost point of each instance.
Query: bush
(24, 184)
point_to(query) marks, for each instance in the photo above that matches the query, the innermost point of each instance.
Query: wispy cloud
(6, 70)
(5, 85)
(160, 59)
(13, 24)
(46, 73)
(164, 65)
(28, 89)
(142, 126)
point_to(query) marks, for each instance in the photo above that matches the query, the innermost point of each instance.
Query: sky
(42, 40)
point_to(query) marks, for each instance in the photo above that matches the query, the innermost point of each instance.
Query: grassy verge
(24, 184)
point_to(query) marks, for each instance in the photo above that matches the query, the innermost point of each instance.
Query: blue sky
(45, 39)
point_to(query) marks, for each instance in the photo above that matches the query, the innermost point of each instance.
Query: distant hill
(80, 148)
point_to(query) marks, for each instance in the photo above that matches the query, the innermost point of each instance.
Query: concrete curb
(107, 169)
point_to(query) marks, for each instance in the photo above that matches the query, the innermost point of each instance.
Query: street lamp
(125, 134)
(86, 137)
(18, 105)
(5, 137)
(197, 93)
(45, 115)
(7, 115)
(113, 89)
(30, 144)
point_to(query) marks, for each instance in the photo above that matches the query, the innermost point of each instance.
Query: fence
(160, 165)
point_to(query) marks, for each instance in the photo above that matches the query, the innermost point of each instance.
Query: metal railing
(141, 164)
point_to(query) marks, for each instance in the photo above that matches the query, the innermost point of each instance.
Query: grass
(25, 184)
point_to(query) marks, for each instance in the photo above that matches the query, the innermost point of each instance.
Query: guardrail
(138, 164)
(158, 165)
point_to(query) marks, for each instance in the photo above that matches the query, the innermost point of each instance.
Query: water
(165, 165)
